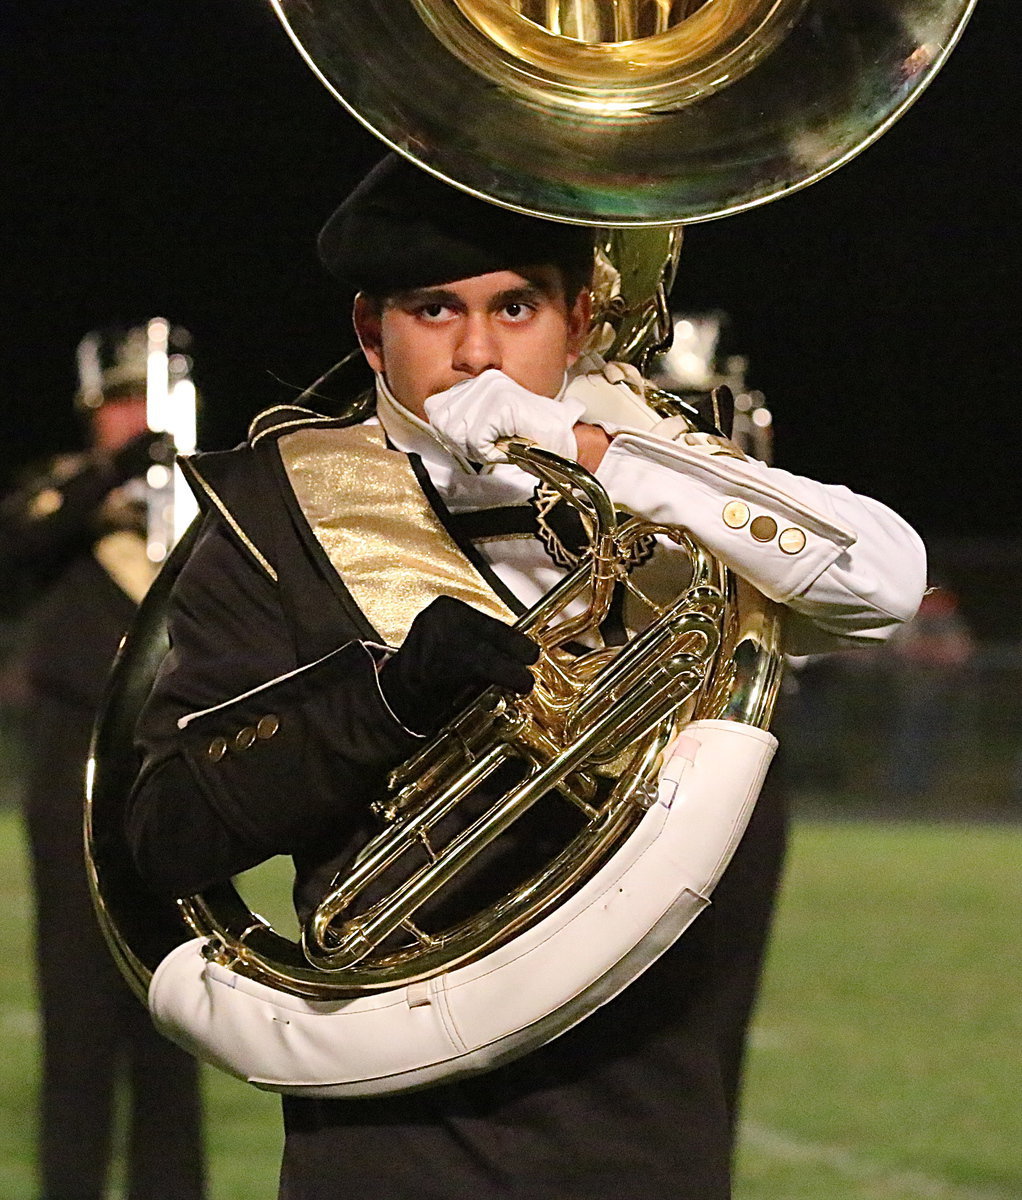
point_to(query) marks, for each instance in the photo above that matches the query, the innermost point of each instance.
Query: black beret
(403, 228)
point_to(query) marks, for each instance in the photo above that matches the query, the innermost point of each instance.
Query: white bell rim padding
(511, 1001)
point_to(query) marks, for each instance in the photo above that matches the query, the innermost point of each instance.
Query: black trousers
(94, 1029)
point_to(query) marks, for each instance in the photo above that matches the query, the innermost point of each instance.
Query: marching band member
(277, 714)
(73, 554)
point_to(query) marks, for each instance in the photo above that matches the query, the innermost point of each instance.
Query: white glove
(613, 394)
(471, 417)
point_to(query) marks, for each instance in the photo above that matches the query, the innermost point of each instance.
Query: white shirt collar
(461, 486)
(411, 434)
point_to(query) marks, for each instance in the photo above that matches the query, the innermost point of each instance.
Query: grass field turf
(885, 1057)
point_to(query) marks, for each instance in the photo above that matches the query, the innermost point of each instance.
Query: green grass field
(886, 1053)
(885, 1058)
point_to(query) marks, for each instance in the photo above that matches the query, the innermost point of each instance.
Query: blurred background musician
(74, 558)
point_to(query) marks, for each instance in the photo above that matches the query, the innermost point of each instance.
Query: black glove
(451, 652)
(134, 458)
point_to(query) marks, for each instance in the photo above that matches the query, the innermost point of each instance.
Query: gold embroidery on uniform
(544, 500)
(368, 512)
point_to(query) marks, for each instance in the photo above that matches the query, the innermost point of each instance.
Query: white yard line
(882, 1182)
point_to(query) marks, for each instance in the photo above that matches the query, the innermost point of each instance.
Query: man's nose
(478, 347)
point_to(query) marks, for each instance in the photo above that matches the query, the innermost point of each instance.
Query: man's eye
(517, 311)
(434, 312)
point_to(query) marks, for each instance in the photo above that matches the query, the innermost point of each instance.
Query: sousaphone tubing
(633, 117)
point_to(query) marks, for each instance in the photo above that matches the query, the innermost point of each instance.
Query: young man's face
(427, 340)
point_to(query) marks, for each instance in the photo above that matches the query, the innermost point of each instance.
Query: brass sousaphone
(634, 116)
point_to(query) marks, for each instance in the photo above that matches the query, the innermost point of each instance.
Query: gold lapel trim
(191, 470)
(254, 437)
(368, 512)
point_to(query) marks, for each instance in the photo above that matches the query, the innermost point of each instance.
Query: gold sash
(380, 533)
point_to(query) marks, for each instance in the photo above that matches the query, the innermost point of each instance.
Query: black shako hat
(403, 228)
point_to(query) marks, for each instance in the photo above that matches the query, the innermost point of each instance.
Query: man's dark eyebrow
(528, 293)
(425, 295)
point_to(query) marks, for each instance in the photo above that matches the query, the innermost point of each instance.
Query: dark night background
(177, 157)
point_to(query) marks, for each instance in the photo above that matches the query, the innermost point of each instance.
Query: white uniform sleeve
(849, 569)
